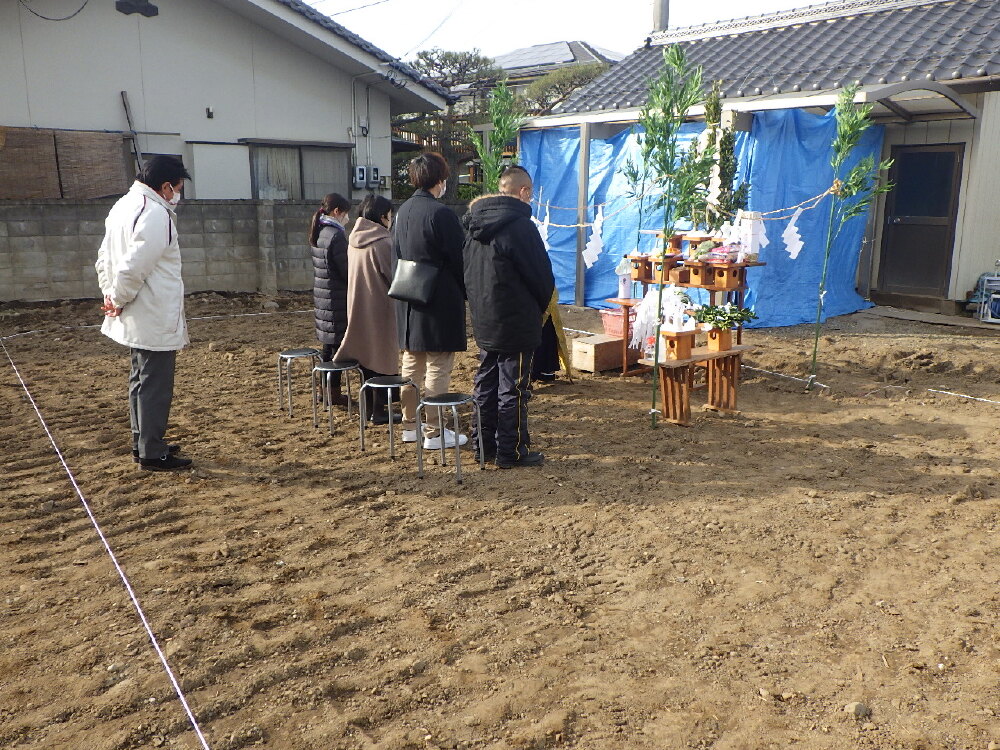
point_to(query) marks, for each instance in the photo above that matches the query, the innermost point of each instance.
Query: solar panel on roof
(540, 54)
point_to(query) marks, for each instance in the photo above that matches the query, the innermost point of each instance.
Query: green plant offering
(851, 195)
(724, 317)
(505, 116)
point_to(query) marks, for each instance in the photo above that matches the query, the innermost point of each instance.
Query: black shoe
(382, 417)
(167, 463)
(488, 456)
(171, 450)
(534, 458)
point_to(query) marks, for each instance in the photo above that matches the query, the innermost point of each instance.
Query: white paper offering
(595, 245)
(791, 236)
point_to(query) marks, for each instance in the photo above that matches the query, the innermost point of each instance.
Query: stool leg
(479, 435)
(288, 380)
(347, 379)
(363, 413)
(312, 392)
(329, 392)
(420, 442)
(458, 447)
(392, 432)
(280, 402)
(440, 411)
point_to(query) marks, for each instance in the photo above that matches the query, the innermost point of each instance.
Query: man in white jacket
(139, 269)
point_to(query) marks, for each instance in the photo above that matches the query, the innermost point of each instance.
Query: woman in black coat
(328, 241)
(427, 231)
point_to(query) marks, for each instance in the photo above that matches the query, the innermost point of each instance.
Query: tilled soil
(731, 585)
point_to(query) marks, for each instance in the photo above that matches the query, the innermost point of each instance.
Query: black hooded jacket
(508, 275)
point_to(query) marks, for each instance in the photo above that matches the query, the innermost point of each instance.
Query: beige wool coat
(371, 319)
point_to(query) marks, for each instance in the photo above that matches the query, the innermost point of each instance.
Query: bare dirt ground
(731, 585)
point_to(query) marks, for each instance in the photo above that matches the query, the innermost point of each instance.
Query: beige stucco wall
(194, 54)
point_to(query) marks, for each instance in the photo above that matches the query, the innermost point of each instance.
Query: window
(299, 172)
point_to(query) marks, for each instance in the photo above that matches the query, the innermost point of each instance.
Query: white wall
(194, 54)
(978, 246)
(219, 172)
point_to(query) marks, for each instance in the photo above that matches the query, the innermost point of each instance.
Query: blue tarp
(786, 159)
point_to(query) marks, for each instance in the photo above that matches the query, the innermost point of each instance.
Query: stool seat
(285, 361)
(388, 381)
(448, 399)
(339, 366)
(293, 353)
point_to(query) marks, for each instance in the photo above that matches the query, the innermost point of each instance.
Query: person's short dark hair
(374, 207)
(513, 178)
(159, 169)
(428, 169)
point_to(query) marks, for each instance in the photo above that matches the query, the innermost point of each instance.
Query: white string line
(204, 317)
(790, 377)
(962, 395)
(111, 554)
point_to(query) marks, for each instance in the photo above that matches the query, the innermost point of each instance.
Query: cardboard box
(599, 353)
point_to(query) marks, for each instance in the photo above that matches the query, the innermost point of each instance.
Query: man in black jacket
(508, 278)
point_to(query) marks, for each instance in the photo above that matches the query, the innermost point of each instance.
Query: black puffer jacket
(329, 259)
(428, 231)
(508, 274)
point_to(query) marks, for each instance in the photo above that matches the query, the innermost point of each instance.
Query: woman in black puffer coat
(328, 240)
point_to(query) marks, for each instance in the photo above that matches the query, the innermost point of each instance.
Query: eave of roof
(390, 70)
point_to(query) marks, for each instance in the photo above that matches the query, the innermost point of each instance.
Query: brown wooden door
(919, 234)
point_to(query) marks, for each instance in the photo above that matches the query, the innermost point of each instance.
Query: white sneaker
(409, 436)
(431, 444)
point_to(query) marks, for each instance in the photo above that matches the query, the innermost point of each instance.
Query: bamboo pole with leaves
(851, 194)
(681, 175)
(505, 116)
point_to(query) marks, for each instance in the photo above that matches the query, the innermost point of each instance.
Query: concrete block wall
(48, 247)
(219, 245)
(291, 235)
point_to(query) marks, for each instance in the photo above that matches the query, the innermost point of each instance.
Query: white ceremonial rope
(121, 573)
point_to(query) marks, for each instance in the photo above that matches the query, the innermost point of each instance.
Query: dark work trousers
(150, 392)
(502, 390)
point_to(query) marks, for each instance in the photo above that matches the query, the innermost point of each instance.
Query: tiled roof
(346, 34)
(819, 47)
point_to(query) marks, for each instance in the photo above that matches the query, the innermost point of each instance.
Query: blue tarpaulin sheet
(786, 159)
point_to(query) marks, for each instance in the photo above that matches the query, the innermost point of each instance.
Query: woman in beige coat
(371, 319)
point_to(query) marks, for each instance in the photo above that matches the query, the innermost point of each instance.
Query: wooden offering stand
(722, 377)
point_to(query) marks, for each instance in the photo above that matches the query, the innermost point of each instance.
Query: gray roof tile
(820, 47)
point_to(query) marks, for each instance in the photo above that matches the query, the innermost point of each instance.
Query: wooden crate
(599, 353)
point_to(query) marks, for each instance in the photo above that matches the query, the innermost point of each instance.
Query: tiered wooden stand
(725, 282)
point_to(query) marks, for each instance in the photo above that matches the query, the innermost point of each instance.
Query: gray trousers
(150, 391)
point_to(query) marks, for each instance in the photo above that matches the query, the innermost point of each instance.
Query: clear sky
(403, 27)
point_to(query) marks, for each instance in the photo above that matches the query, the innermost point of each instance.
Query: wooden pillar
(583, 191)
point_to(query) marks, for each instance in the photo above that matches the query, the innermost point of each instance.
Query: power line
(435, 31)
(360, 7)
(349, 10)
(49, 18)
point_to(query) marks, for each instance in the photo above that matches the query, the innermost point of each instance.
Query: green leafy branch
(506, 117)
(852, 195)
